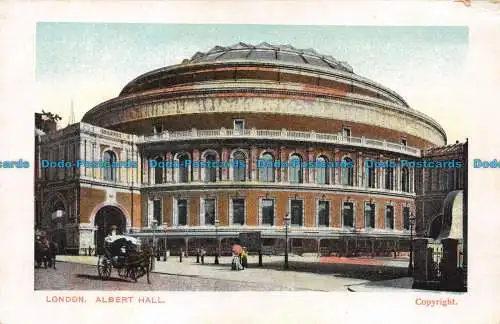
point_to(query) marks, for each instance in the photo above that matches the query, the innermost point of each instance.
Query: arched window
(211, 168)
(109, 173)
(370, 174)
(405, 179)
(295, 169)
(239, 167)
(183, 169)
(158, 171)
(347, 173)
(322, 170)
(266, 169)
(389, 178)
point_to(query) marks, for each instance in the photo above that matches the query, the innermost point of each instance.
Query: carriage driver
(113, 229)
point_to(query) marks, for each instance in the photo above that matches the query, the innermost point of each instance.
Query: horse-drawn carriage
(124, 254)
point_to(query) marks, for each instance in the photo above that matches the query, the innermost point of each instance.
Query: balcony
(242, 185)
(281, 135)
(270, 232)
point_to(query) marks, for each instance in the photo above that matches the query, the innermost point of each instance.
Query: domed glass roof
(268, 52)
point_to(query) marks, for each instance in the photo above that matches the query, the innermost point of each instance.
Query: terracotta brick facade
(206, 97)
(126, 201)
(89, 200)
(282, 200)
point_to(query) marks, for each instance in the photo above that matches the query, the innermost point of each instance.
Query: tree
(52, 117)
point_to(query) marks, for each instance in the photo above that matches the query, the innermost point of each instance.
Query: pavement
(84, 277)
(393, 285)
(304, 273)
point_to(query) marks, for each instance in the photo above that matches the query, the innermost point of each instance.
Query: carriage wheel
(104, 267)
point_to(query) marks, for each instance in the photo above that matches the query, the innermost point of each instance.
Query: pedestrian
(244, 257)
(203, 255)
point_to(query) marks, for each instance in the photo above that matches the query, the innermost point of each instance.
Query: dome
(270, 53)
(258, 80)
(241, 55)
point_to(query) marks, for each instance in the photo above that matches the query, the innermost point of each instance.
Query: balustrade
(282, 134)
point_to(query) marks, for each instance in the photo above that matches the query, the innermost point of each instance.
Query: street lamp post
(287, 222)
(410, 265)
(165, 225)
(217, 240)
(154, 223)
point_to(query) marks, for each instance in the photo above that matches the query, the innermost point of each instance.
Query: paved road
(73, 276)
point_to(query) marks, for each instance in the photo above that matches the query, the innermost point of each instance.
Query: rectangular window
(346, 132)
(209, 211)
(404, 142)
(389, 217)
(268, 212)
(406, 218)
(157, 211)
(182, 212)
(239, 211)
(323, 213)
(296, 211)
(369, 215)
(239, 125)
(348, 214)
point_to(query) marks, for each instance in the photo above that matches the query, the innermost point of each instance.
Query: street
(313, 274)
(75, 276)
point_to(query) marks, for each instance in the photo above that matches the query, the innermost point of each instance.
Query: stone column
(196, 171)
(164, 170)
(360, 171)
(397, 177)
(253, 163)
(412, 180)
(337, 171)
(283, 171)
(379, 174)
(82, 170)
(225, 157)
(310, 172)
(94, 155)
(135, 171)
(169, 172)
(143, 169)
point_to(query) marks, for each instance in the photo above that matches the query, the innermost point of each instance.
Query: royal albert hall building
(232, 106)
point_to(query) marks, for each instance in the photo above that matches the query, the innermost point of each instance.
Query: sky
(83, 64)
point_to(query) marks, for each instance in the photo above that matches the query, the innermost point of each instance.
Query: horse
(140, 263)
(45, 253)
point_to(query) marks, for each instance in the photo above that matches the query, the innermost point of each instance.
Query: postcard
(279, 168)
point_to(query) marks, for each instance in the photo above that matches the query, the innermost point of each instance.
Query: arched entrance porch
(106, 217)
(54, 220)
